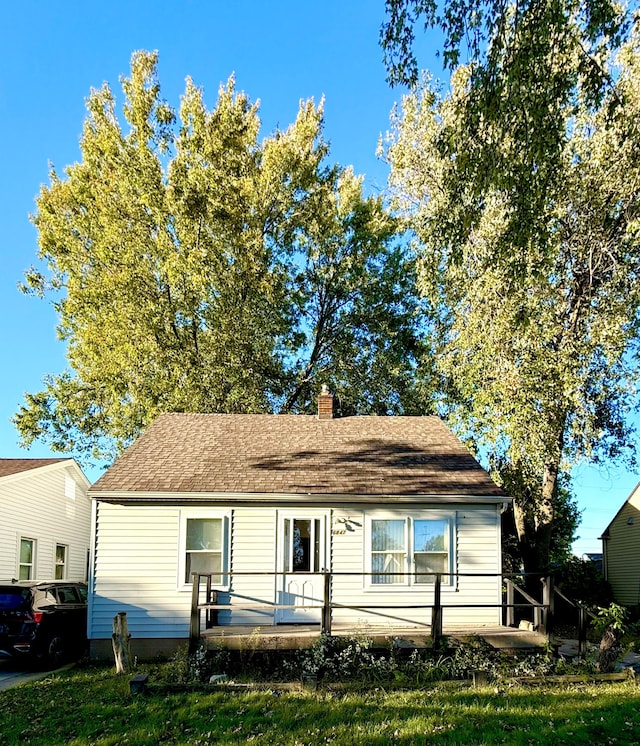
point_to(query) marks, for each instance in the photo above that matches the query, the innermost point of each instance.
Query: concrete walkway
(569, 649)
(10, 677)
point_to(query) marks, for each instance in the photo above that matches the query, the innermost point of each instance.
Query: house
(269, 504)
(45, 519)
(621, 552)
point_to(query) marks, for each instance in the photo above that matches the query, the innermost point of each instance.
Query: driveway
(12, 675)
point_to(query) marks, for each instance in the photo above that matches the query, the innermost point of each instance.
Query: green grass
(93, 706)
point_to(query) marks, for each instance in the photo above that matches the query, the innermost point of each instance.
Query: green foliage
(529, 259)
(339, 659)
(197, 267)
(526, 489)
(90, 705)
(614, 617)
(356, 661)
(527, 62)
(196, 667)
(580, 580)
(498, 35)
(612, 624)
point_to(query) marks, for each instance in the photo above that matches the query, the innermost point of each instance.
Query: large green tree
(527, 63)
(195, 267)
(501, 37)
(534, 277)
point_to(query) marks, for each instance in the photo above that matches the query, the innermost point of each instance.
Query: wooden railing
(543, 611)
(584, 617)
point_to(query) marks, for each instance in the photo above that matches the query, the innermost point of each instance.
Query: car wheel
(56, 652)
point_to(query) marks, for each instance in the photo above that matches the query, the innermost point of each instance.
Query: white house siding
(135, 570)
(50, 505)
(622, 553)
(477, 551)
(137, 555)
(252, 549)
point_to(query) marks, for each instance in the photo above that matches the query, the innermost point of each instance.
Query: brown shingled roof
(10, 466)
(297, 454)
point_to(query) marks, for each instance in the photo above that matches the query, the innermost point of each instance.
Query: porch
(391, 628)
(299, 636)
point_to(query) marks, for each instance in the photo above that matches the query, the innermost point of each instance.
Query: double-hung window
(411, 549)
(26, 566)
(388, 551)
(61, 561)
(431, 550)
(204, 546)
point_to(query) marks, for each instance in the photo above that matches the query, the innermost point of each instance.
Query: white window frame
(409, 580)
(64, 564)
(203, 514)
(320, 515)
(32, 564)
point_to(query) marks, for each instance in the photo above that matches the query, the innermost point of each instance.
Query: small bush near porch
(359, 661)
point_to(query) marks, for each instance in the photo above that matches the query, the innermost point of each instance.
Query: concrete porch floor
(296, 636)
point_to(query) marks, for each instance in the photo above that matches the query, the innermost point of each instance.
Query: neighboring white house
(269, 502)
(621, 552)
(45, 520)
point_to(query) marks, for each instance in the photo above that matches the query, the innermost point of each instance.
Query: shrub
(197, 667)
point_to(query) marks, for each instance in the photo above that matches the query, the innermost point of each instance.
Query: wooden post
(326, 608)
(510, 618)
(436, 612)
(194, 622)
(207, 616)
(582, 631)
(538, 618)
(548, 598)
(120, 641)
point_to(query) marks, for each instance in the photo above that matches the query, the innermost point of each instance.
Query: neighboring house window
(61, 562)
(26, 568)
(203, 546)
(411, 549)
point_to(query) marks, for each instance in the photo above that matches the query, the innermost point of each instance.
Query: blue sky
(53, 53)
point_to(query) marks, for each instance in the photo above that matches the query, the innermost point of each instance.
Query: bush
(339, 658)
(354, 660)
(581, 581)
(197, 667)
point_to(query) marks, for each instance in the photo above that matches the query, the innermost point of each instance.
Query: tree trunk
(533, 516)
(610, 649)
(525, 530)
(546, 512)
(120, 641)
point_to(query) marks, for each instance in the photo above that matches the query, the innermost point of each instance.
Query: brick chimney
(325, 404)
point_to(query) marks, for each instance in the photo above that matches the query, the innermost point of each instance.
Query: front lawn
(91, 705)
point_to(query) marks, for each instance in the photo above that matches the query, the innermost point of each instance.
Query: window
(61, 562)
(410, 550)
(302, 544)
(27, 559)
(388, 551)
(203, 546)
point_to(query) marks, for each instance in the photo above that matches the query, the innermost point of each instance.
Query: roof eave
(238, 498)
(606, 532)
(59, 464)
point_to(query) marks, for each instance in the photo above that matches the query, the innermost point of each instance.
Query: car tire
(56, 652)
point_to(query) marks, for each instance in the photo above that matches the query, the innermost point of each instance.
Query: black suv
(45, 623)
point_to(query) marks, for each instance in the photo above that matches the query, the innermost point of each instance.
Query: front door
(301, 560)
